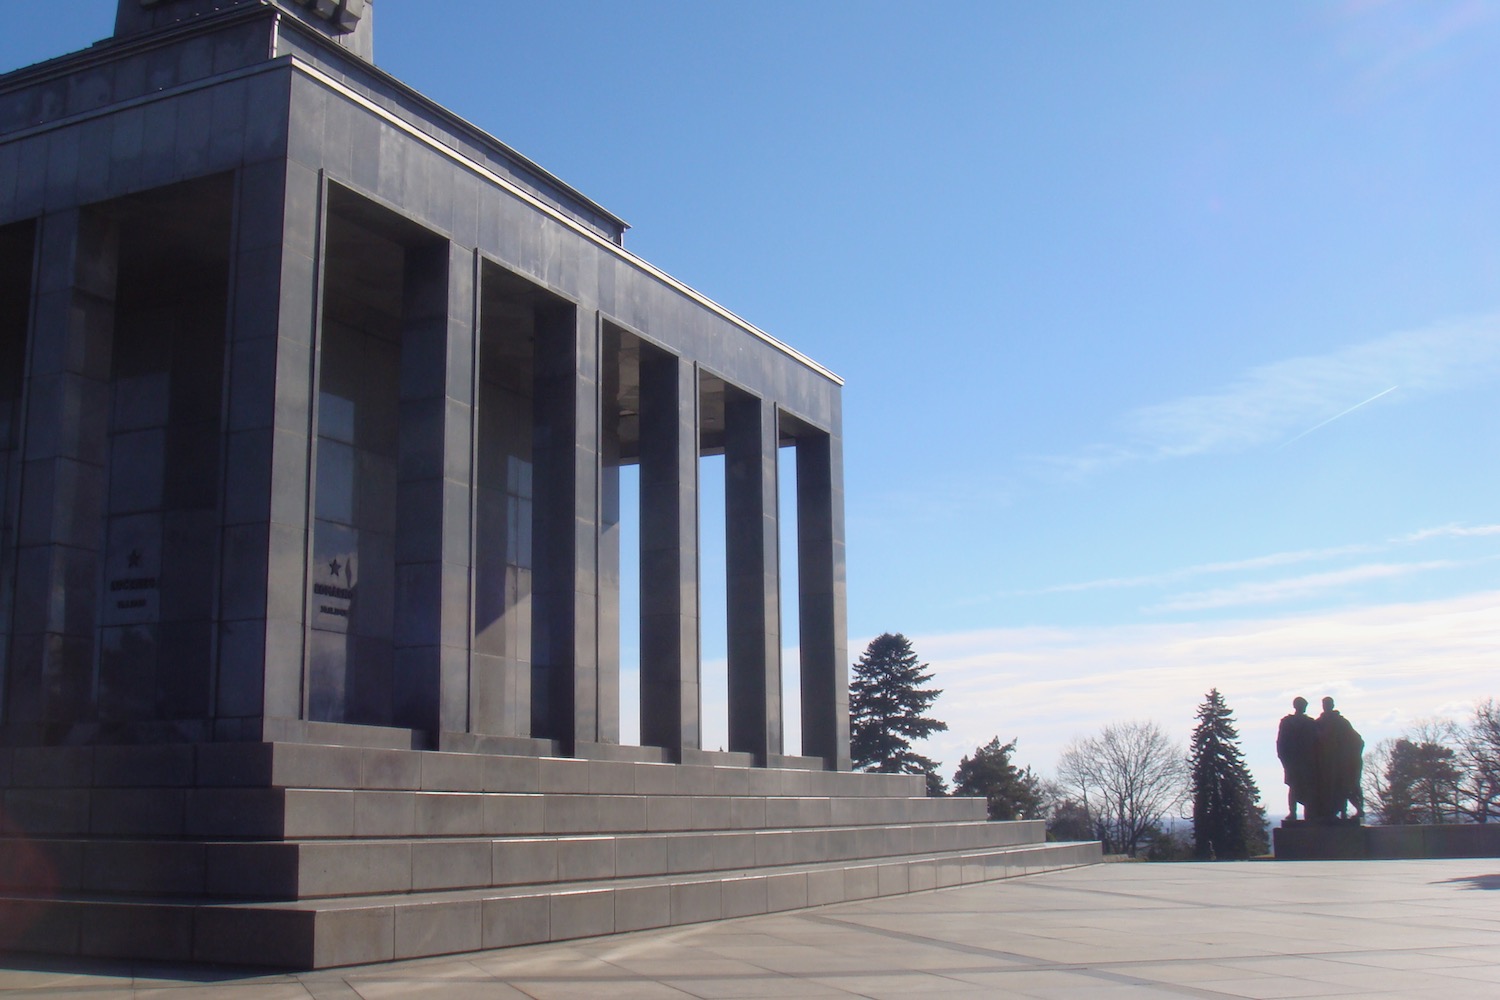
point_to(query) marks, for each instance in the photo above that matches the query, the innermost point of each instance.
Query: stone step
(296, 813)
(309, 869)
(306, 765)
(332, 932)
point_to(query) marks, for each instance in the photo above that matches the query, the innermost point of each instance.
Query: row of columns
(278, 242)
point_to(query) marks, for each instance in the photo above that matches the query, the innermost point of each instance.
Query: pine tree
(1228, 822)
(887, 702)
(1009, 791)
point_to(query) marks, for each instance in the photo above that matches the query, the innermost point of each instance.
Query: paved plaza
(1428, 929)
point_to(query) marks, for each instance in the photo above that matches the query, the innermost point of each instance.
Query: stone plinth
(1349, 842)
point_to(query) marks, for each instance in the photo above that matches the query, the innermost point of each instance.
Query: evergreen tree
(1069, 819)
(1228, 822)
(887, 706)
(1009, 792)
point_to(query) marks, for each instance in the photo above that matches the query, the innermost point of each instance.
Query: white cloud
(1280, 402)
(1387, 665)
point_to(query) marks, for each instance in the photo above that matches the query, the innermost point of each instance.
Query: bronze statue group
(1323, 760)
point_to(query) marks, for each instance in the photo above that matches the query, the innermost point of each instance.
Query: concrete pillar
(565, 692)
(63, 475)
(608, 578)
(273, 319)
(501, 662)
(822, 625)
(753, 592)
(430, 683)
(669, 553)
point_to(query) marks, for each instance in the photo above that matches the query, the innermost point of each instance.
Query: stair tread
(68, 838)
(542, 888)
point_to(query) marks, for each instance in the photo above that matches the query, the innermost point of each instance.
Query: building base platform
(310, 856)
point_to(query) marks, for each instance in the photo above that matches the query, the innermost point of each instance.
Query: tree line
(1129, 784)
(1124, 786)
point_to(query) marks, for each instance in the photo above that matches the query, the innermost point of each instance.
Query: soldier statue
(1340, 765)
(1322, 762)
(1297, 747)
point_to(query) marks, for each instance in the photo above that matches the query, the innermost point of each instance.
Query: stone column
(669, 553)
(564, 651)
(821, 613)
(273, 318)
(435, 472)
(608, 578)
(63, 475)
(753, 592)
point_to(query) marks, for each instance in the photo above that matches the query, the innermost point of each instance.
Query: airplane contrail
(1336, 416)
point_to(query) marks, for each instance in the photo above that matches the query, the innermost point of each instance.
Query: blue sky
(1171, 331)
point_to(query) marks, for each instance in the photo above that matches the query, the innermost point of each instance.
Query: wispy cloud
(1270, 561)
(1340, 415)
(1294, 588)
(1454, 531)
(1273, 560)
(1392, 43)
(1281, 402)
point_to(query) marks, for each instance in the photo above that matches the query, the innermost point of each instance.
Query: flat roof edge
(456, 120)
(316, 74)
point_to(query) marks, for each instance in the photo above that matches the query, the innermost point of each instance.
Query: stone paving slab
(1256, 930)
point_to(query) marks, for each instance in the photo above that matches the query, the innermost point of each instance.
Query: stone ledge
(346, 766)
(312, 813)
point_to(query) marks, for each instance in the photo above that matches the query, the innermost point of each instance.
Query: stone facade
(314, 401)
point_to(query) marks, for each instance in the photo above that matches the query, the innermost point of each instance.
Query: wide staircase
(309, 856)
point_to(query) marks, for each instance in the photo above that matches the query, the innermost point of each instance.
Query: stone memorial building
(314, 400)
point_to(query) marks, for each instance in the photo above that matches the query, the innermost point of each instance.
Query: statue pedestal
(1320, 840)
(1346, 840)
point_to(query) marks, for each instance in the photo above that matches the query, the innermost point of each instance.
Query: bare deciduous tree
(1129, 778)
(1376, 779)
(1479, 749)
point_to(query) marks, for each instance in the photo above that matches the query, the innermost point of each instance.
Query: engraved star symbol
(134, 559)
(334, 567)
